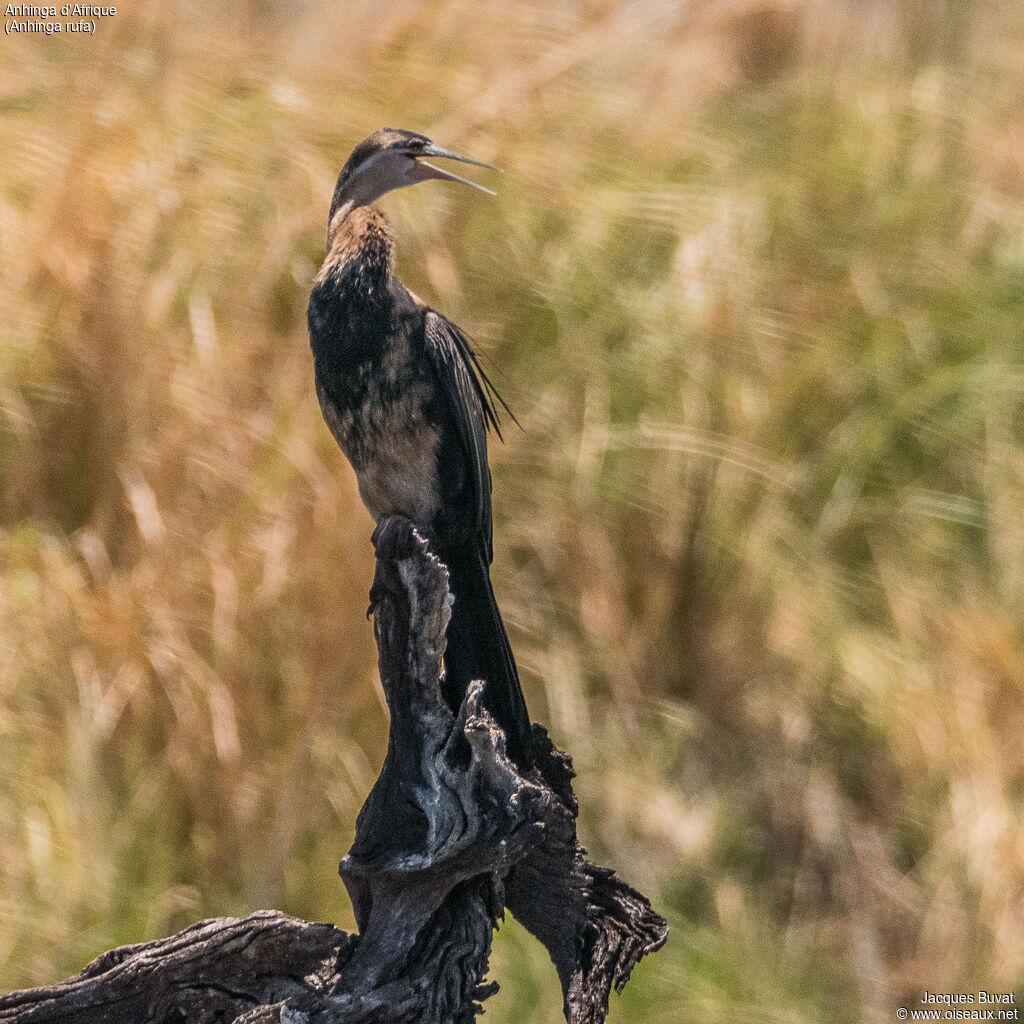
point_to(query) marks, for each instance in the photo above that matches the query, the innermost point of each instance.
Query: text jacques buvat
(32, 18)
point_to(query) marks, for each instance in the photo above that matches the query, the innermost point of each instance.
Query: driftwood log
(450, 835)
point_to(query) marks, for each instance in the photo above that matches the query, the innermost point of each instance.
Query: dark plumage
(403, 394)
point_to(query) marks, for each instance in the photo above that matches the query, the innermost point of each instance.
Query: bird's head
(392, 158)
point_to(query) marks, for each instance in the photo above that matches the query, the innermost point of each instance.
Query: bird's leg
(393, 539)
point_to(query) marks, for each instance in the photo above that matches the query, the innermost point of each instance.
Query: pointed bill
(440, 173)
(447, 154)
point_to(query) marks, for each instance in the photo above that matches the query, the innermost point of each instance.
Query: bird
(402, 391)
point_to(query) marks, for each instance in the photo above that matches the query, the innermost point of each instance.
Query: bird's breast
(398, 471)
(374, 380)
(379, 417)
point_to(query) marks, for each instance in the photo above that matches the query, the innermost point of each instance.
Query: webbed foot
(395, 538)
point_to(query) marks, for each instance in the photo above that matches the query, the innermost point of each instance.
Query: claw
(377, 594)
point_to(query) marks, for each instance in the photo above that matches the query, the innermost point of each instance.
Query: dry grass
(754, 285)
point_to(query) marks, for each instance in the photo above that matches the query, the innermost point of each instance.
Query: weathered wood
(451, 833)
(215, 970)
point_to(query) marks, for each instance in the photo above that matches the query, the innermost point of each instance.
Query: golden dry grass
(754, 285)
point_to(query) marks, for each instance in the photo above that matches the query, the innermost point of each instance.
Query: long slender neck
(360, 249)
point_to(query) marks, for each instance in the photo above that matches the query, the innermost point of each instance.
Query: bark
(451, 833)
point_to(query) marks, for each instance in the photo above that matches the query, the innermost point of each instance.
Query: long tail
(478, 648)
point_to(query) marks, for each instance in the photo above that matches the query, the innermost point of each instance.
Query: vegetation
(753, 285)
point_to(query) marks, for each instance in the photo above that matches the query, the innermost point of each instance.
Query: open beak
(424, 171)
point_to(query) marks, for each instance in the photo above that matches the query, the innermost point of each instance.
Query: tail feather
(478, 648)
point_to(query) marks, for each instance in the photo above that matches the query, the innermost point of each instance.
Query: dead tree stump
(450, 834)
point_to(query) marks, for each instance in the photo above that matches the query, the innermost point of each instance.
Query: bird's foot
(386, 586)
(396, 538)
(377, 594)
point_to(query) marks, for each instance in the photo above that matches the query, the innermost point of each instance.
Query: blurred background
(754, 287)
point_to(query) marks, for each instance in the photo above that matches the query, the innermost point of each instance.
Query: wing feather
(471, 399)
